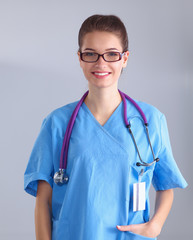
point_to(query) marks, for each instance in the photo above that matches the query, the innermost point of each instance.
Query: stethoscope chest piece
(61, 177)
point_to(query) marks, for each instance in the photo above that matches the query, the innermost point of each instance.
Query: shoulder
(151, 112)
(61, 115)
(149, 109)
(65, 110)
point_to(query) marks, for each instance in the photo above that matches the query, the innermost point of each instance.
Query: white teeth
(101, 74)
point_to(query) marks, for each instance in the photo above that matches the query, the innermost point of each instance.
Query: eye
(112, 54)
(89, 54)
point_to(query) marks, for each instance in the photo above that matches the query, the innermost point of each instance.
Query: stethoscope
(61, 177)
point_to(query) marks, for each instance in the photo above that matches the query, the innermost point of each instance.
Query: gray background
(39, 71)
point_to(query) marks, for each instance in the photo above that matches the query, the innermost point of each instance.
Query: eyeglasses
(91, 57)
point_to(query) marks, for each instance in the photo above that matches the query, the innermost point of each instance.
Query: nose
(100, 61)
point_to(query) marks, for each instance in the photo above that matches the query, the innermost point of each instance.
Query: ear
(125, 58)
(80, 61)
(78, 53)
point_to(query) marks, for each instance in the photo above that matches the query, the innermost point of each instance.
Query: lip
(101, 74)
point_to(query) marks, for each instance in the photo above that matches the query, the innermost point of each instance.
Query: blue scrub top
(102, 170)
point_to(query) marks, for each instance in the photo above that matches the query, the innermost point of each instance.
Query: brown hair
(107, 23)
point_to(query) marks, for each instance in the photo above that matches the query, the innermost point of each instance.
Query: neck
(102, 102)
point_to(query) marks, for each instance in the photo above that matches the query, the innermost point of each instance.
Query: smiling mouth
(101, 73)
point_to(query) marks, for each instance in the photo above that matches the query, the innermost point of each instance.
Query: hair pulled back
(104, 23)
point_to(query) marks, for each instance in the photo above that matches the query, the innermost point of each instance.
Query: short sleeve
(166, 173)
(40, 165)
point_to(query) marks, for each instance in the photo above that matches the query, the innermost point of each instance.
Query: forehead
(100, 41)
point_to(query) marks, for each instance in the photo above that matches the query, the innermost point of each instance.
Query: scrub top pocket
(142, 174)
(141, 216)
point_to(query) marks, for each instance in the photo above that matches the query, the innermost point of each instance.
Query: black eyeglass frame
(101, 55)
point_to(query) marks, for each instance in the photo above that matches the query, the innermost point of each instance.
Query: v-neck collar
(119, 107)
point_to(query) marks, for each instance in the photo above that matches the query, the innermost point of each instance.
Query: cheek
(118, 68)
(82, 65)
(86, 70)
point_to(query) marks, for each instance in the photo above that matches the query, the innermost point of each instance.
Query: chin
(101, 83)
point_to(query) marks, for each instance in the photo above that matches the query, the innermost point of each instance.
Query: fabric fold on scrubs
(102, 170)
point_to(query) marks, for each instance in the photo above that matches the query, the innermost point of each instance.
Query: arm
(43, 210)
(164, 200)
(153, 228)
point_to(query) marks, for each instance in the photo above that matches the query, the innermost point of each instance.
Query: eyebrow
(108, 49)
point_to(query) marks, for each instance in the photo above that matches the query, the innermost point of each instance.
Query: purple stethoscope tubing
(63, 164)
(123, 95)
(61, 175)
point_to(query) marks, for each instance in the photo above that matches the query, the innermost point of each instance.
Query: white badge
(139, 194)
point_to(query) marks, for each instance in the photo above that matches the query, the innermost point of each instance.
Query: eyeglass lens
(108, 56)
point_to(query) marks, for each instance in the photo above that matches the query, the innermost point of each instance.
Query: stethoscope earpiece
(138, 164)
(144, 164)
(157, 159)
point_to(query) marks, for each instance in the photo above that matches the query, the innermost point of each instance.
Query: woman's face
(102, 74)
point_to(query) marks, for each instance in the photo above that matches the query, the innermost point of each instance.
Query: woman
(100, 200)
